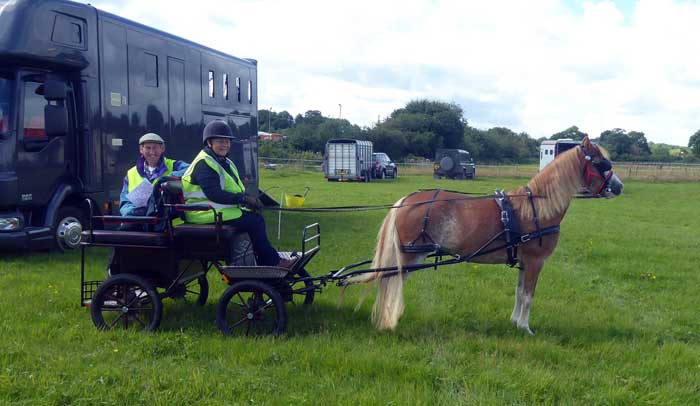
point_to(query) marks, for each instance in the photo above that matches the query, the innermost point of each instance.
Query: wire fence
(649, 171)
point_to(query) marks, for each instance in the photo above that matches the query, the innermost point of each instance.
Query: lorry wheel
(67, 228)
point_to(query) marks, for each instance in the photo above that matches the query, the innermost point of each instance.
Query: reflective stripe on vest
(134, 177)
(195, 195)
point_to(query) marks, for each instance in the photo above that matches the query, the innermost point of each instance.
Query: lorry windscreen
(6, 90)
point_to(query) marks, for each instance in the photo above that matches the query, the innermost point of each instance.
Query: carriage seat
(206, 231)
(117, 237)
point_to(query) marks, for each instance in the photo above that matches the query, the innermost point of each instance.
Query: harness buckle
(504, 217)
(525, 238)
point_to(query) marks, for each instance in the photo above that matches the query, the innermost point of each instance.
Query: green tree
(572, 132)
(694, 143)
(419, 129)
(640, 146)
(616, 142)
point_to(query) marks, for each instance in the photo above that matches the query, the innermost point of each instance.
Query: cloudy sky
(538, 66)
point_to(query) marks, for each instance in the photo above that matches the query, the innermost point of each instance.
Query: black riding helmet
(217, 129)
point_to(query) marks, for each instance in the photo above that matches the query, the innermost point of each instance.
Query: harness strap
(429, 244)
(534, 210)
(511, 228)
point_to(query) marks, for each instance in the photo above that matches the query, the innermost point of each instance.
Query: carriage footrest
(253, 272)
(88, 291)
(420, 248)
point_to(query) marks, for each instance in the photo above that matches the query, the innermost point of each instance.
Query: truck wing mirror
(56, 119)
(55, 90)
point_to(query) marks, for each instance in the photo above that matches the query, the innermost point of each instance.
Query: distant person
(150, 166)
(213, 179)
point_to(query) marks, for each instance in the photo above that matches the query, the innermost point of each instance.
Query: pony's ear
(586, 142)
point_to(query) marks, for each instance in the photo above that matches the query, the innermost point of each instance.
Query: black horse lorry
(78, 87)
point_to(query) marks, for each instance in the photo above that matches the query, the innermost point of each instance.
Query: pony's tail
(389, 304)
(384, 252)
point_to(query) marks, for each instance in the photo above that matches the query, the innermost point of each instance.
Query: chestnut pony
(462, 225)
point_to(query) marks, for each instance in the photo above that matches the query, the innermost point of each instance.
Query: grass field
(615, 317)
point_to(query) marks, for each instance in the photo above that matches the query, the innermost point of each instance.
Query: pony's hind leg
(519, 293)
(531, 270)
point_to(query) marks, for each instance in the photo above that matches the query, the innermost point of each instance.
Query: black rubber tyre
(251, 308)
(308, 296)
(126, 301)
(196, 289)
(65, 230)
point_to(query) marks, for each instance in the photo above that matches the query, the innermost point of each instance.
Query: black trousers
(254, 225)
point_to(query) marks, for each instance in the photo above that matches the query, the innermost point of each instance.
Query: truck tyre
(67, 227)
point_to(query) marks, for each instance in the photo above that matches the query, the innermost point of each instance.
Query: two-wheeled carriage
(153, 259)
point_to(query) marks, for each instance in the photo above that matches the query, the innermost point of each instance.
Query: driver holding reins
(213, 179)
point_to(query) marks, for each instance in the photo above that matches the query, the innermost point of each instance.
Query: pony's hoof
(527, 330)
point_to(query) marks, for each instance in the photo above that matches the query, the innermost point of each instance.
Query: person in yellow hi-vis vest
(150, 166)
(213, 179)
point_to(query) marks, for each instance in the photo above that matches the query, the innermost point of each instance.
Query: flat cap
(151, 137)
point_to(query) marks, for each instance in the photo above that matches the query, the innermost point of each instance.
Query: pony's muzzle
(614, 187)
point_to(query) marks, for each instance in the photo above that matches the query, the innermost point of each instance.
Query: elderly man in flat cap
(150, 166)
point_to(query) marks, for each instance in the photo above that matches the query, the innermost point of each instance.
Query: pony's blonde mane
(557, 183)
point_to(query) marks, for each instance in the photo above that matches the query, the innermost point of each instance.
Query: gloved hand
(252, 202)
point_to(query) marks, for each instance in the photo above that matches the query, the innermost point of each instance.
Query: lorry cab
(74, 103)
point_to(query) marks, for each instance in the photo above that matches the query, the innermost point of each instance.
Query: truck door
(42, 160)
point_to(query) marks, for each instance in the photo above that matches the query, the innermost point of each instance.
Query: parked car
(383, 166)
(453, 164)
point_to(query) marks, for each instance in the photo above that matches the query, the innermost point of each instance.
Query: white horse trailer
(347, 160)
(549, 149)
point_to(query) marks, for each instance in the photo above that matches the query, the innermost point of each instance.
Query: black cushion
(114, 237)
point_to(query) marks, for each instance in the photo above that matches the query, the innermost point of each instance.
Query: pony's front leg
(531, 270)
(519, 292)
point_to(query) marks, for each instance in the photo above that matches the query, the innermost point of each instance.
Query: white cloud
(540, 66)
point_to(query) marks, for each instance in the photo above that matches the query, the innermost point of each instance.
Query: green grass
(615, 318)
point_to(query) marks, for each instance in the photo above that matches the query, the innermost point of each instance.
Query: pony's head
(598, 175)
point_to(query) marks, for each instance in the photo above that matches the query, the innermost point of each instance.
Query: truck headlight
(9, 223)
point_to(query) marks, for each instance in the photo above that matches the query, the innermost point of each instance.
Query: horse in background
(462, 226)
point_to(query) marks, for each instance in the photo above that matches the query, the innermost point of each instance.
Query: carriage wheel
(128, 302)
(309, 295)
(251, 308)
(196, 289)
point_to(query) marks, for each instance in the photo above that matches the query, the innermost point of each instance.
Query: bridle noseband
(591, 171)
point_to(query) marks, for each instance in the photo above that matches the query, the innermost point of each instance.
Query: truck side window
(34, 126)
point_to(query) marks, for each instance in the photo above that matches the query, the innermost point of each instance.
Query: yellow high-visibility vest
(194, 193)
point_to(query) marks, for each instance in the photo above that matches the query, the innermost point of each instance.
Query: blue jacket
(127, 208)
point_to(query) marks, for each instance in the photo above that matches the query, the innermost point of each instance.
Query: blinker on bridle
(599, 173)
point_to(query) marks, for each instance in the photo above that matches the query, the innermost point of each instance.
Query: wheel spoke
(243, 301)
(136, 317)
(140, 309)
(115, 321)
(239, 322)
(192, 292)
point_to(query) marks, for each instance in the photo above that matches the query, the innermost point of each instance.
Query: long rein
(346, 209)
